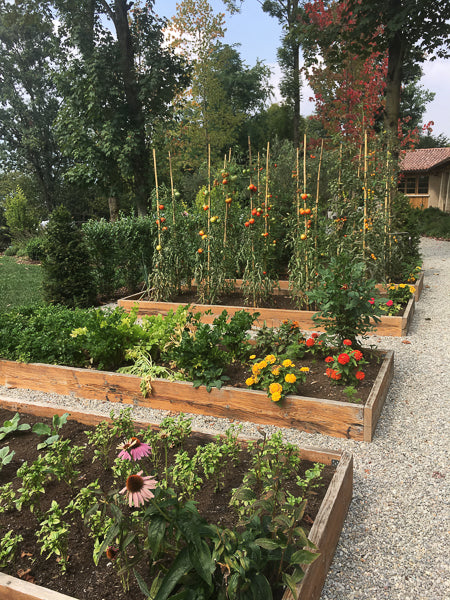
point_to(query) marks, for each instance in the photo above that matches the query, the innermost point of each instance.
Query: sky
(259, 35)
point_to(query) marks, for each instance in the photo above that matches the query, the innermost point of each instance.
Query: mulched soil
(82, 580)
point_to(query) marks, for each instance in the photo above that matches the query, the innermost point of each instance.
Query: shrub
(35, 248)
(67, 273)
(20, 217)
(11, 251)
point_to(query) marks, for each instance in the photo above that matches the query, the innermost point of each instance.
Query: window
(414, 184)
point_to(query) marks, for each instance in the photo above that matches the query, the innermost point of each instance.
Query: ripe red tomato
(251, 221)
(161, 207)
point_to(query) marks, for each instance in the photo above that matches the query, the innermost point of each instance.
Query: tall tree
(408, 30)
(116, 87)
(29, 103)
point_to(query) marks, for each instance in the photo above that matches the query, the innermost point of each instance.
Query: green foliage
(5, 456)
(35, 248)
(52, 432)
(432, 222)
(343, 296)
(67, 276)
(204, 350)
(12, 426)
(42, 334)
(53, 535)
(20, 217)
(8, 547)
(104, 435)
(120, 251)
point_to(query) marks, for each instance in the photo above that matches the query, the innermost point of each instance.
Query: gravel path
(395, 542)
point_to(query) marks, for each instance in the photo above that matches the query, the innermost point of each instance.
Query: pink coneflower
(138, 489)
(133, 449)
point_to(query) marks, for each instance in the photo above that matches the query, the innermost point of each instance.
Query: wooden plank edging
(316, 415)
(324, 533)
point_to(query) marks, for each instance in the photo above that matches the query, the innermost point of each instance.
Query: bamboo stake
(172, 189)
(365, 193)
(229, 155)
(209, 219)
(266, 201)
(297, 179)
(304, 164)
(316, 212)
(158, 220)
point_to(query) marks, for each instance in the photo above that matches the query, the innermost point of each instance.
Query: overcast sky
(259, 37)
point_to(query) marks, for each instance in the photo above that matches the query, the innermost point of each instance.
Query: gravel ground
(395, 542)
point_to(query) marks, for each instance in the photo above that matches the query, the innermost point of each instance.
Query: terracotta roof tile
(424, 159)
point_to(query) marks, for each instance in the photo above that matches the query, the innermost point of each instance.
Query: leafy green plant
(52, 432)
(346, 367)
(8, 547)
(12, 426)
(53, 534)
(343, 297)
(277, 375)
(105, 435)
(5, 456)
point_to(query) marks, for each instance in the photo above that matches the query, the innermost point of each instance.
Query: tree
(124, 84)
(407, 30)
(29, 103)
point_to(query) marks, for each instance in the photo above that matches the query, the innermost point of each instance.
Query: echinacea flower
(133, 449)
(343, 359)
(290, 378)
(138, 489)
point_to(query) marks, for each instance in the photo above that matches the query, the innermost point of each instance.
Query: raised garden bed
(324, 533)
(273, 317)
(314, 415)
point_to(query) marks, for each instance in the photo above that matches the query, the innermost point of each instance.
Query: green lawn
(20, 284)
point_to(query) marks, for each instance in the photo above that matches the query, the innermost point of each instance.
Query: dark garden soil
(82, 579)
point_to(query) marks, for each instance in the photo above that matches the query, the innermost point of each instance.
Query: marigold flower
(357, 355)
(249, 381)
(402, 285)
(290, 378)
(412, 289)
(133, 449)
(252, 356)
(138, 489)
(288, 363)
(360, 375)
(347, 342)
(275, 388)
(304, 369)
(276, 397)
(276, 371)
(329, 359)
(256, 368)
(310, 342)
(262, 364)
(343, 359)
(270, 358)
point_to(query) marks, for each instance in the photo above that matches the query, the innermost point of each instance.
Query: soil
(83, 580)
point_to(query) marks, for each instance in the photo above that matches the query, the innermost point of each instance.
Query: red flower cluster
(360, 375)
(329, 359)
(347, 342)
(332, 374)
(310, 342)
(357, 355)
(343, 359)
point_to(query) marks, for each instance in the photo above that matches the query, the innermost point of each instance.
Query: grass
(20, 284)
(433, 222)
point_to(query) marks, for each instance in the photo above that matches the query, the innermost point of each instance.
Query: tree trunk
(113, 209)
(396, 55)
(141, 159)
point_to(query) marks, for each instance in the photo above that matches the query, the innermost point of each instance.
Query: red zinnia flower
(329, 359)
(310, 342)
(343, 358)
(357, 354)
(360, 375)
(315, 335)
(347, 342)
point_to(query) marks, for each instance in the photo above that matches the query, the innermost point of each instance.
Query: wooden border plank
(324, 533)
(315, 415)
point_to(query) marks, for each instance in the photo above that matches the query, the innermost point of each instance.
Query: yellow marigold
(256, 368)
(252, 356)
(270, 358)
(263, 364)
(249, 381)
(290, 378)
(412, 289)
(304, 369)
(275, 388)
(276, 397)
(392, 287)
(402, 285)
(276, 371)
(288, 363)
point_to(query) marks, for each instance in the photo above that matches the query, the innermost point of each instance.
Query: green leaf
(303, 557)
(41, 429)
(267, 544)
(180, 566)
(202, 561)
(155, 534)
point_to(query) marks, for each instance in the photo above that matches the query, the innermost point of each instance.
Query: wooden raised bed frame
(315, 415)
(324, 533)
(273, 317)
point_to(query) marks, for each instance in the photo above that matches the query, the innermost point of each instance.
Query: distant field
(20, 284)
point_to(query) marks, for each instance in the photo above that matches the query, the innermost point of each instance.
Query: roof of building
(424, 159)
